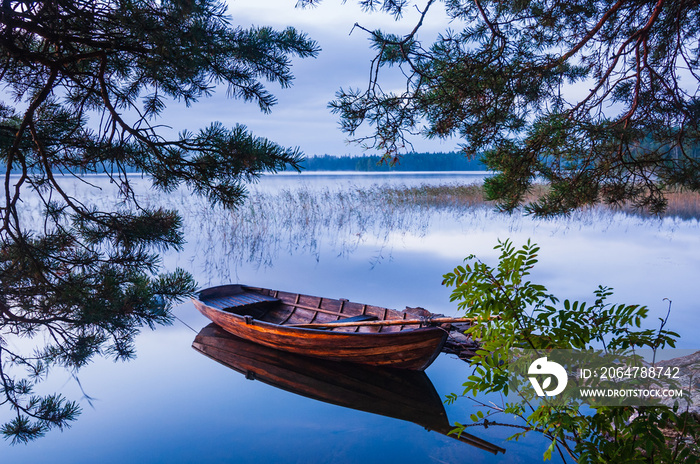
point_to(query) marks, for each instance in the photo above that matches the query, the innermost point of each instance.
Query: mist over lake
(351, 236)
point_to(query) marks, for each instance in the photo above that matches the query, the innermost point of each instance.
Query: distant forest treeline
(454, 161)
(409, 162)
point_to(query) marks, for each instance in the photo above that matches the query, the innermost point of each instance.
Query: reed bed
(681, 204)
(303, 220)
(333, 221)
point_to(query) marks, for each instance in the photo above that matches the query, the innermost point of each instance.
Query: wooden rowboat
(398, 393)
(337, 330)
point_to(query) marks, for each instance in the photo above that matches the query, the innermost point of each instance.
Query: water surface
(172, 404)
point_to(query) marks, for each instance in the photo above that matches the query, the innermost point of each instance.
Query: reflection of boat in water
(402, 394)
(338, 330)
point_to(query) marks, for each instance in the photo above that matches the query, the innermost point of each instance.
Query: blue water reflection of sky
(172, 404)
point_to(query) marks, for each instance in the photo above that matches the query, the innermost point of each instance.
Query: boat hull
(413, 348)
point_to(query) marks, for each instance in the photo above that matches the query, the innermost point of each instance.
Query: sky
(301, 117)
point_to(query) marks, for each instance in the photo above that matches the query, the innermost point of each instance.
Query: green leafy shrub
(510, 312)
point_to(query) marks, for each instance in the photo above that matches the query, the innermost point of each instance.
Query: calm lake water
(314, 234)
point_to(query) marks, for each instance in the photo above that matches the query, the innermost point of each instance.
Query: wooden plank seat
(242, 299)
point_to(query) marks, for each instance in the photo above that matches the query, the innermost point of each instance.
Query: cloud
(302, 118)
